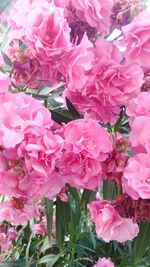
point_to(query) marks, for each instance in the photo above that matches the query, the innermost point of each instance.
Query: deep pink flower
(109, 224)
(87, 144)
(136, 180)
(103, 262)
(137, 39)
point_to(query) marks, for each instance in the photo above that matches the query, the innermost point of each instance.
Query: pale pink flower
(139, 106)
(17, 211)
(48, 32)
(109, 224)
(140, 134)
(4, 83)
(104, 262)
(1, 60)
(76, 66)
(111, 83)
(87, 144)
(96, 13)
(137, 39)
(136, 180)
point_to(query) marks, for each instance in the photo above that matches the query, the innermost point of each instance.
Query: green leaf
(109, 190)
(51, 259)
(87, 197)
(61, 115)
(60, 231)
(142, 242)
(75, 193)
(48, 244)
(72, 109)
(63, 209)
(49, 215)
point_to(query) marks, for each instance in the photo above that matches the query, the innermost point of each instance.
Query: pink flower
(17, 211)
(139, 106)
(136, 180)
(109, 224)
(26, 112)
(103, 262)
(96, 13)
(29, 150)
(137, 39)
(76, 66)
(4, 82)
(111, 83)
(47, 31)
(87, 144)
(140, 134)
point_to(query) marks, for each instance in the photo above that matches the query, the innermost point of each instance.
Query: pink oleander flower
(63, 195)
(4, 83)
(136, 179)
(140, 134)
(29, 150)
(96, 13)
(111, 83)
(26, 112)
(47, 32)
(76, 66)
(40, 228)
(139, 106)
(7, 235)
(136, 39)
(17, 211)
(103, 262)
(114, 165)
(109, 224)
(86, 146)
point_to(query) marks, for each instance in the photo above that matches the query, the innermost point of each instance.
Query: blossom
(4, 82)
(76, 66)
(136, 179)
(17, 211)
(140, 134)
(47, 32)
(111, 83)
(29, 150)
(87, 144)
(136, 39)
(139, 106)
(109, 224)
(96, 13)
(103, 262)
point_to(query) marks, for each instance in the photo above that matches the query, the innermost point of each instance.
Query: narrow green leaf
(87, 197)
(48, 244)
(61, 115)
(49, 215)
(51, 259)
(60, 231)
(75, 193)
(142, 242)
(63, 209)
(109, 190)
(72, 109)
